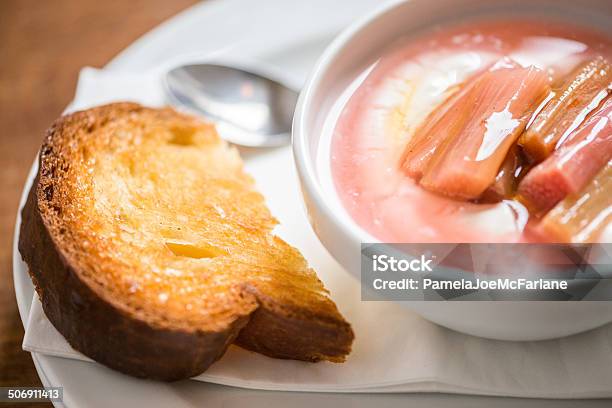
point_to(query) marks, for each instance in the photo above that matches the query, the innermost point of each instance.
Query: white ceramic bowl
(347, 56)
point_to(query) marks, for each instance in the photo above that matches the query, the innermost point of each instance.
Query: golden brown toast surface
(154, 219)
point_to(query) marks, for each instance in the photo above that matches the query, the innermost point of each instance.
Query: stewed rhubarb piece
(582, 217)
(481, 127)
(442, 123)
(581, 93)
(572, 165)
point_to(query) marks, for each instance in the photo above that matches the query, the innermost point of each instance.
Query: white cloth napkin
(395, 350)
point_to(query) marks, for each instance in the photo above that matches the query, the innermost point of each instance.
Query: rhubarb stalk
(482, 126)
(570, 104)
(582, 217)
(572, 165)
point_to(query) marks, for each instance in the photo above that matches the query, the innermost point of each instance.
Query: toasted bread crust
(102, 332)
(274, 332)
(98, 326)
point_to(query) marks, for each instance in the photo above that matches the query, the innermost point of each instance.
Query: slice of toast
(152, 252)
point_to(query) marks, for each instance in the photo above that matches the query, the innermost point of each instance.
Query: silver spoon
(248, 109)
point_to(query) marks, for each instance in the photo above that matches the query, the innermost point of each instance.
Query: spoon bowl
(248, 109)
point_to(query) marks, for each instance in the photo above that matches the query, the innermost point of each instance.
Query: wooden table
(43, 44)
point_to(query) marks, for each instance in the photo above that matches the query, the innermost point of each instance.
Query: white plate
(290, 35)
